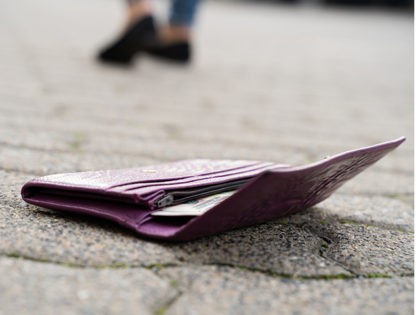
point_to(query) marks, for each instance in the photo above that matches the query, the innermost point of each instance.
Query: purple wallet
(262, 191)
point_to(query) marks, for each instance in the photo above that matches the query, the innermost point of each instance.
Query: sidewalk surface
(269, 82)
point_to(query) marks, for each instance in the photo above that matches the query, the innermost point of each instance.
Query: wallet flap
(195, 180)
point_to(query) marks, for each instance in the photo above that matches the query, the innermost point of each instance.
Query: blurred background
(269, 81)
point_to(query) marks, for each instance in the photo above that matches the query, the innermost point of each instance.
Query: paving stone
(209, 290)
(377, 210)
(49, 236)
(367, 249)
(380, 183)
(273, 247)
(10, 179)
(182, 125)
(43, 162)
(41, 288)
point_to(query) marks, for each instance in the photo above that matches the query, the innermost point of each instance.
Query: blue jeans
(183, 12)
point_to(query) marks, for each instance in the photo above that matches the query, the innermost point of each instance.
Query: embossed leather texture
(271, 191)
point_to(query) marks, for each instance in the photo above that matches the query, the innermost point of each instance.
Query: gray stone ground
(269, 82)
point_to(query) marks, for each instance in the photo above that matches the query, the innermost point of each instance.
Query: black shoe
(177, 52)
(141, 35)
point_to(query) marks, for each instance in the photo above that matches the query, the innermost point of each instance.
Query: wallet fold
(264, 191)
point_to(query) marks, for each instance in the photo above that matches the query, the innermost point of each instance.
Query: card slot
(230, 171)
(144, 194)
(200, 182)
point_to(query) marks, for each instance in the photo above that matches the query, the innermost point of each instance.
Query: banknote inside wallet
(177, 197)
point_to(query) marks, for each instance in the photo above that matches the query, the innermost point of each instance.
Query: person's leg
(183, 12)
(181, 20)
(175, 38)
(137, 9)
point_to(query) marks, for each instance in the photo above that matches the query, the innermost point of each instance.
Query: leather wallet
(262, 191)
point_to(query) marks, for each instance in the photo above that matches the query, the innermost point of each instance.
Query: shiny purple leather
(129, 196)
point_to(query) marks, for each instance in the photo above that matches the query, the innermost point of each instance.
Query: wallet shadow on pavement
(189, 199)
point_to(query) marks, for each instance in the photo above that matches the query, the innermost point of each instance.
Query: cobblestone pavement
(269, 82)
